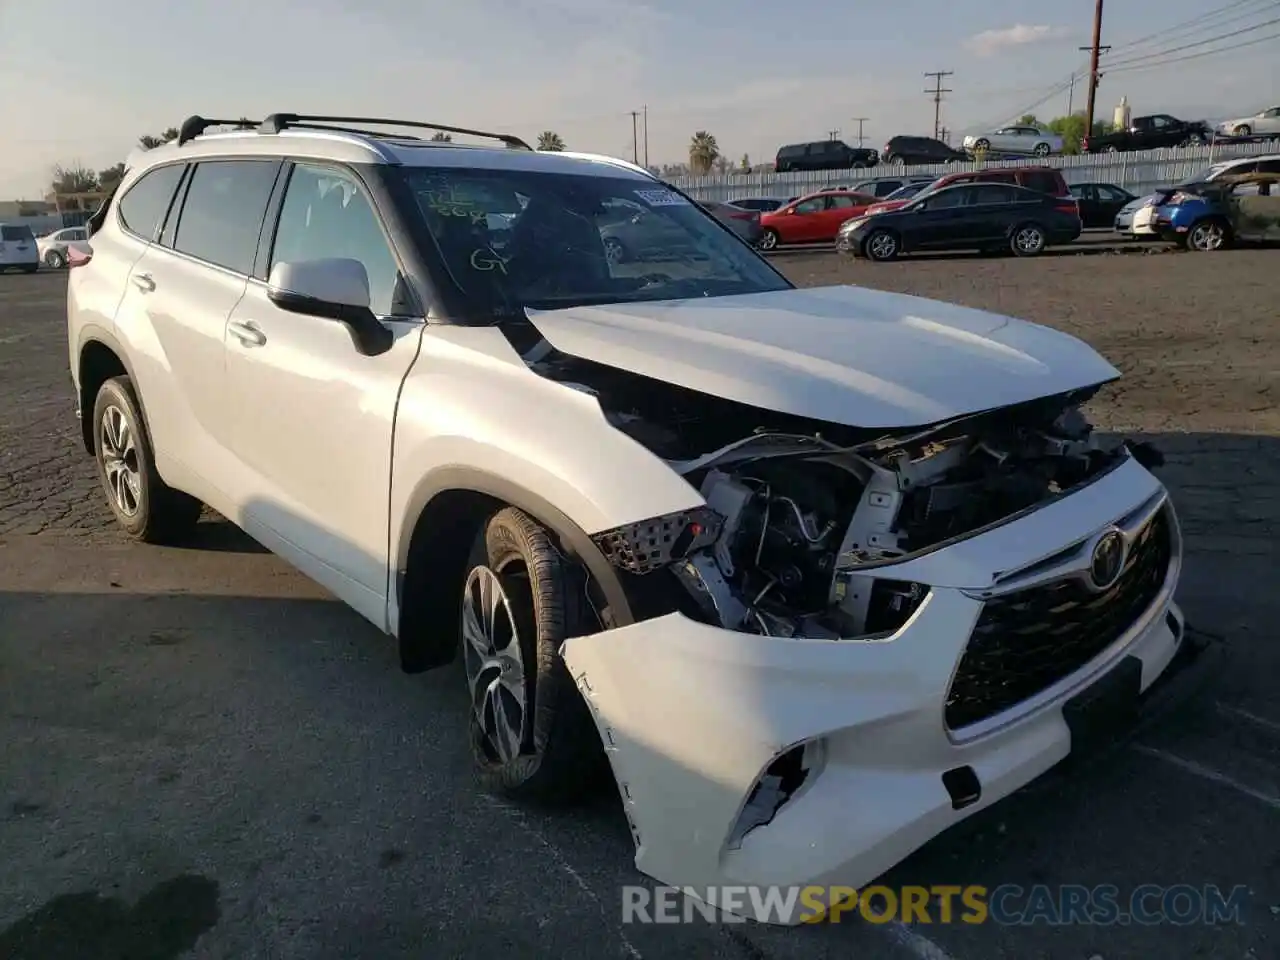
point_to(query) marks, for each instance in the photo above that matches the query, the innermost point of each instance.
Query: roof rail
(277, 122)
(192, 127)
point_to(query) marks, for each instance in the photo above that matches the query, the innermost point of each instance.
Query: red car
(1041, 179)
(812, 219)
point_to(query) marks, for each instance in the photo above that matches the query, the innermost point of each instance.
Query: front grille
(1027, 641)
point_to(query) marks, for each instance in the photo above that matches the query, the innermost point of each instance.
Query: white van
(18, 248)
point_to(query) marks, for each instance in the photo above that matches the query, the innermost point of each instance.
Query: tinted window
(792, 151)
(566, 245)
(1268, 166)
(1041, 182)
(143, 207)
(811, 206)
(223, 210)
(994, 193)
(16, 234)
(1114, 194)
(326, 215)
(948, 198)
(886, 187)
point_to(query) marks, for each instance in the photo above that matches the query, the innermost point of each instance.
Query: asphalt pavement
(205, 755)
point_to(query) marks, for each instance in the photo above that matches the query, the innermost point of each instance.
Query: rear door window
(144, 205)
(993, 193)
(223, 211)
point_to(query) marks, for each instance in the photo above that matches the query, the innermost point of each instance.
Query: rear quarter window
(1042, 182)
(145, 204)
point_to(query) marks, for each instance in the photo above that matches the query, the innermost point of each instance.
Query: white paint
(1271, 725)
(1208, 773)
(562, 862)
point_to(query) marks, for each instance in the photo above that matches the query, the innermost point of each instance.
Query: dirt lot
(204, 752)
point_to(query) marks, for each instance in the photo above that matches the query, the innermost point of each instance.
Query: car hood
(846, 355)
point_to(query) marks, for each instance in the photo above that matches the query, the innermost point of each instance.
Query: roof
(360, 146)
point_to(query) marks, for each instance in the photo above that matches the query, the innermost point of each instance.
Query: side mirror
(335, 289)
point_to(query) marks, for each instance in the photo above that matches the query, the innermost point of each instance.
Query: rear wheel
(532, 735)
(769, 239)
(144, 505)
(1028, 240)
(1042, 150)
(614, 251)
(1208, 235)
(54, 260)
(984, 144)
(1243, 130)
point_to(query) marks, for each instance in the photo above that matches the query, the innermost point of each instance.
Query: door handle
(144, 282)
(248, 333)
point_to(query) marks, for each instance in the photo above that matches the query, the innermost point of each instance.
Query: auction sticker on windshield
(662, 198)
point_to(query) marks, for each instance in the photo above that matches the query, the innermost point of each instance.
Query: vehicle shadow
(216, 534)
(297, 709)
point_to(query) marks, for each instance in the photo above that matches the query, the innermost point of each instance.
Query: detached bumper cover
(692, 715)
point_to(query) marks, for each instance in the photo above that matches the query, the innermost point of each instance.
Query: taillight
(1084, 143)
(1067, 208)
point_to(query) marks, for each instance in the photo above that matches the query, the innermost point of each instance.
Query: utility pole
(635, 137)
(937, 93)
(1071, 94)
(833, 134)
(1094, 49)
(860, 121)
(646, 136)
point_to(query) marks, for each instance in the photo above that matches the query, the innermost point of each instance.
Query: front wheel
(1243, 130)
(531, 733)
(144, 505)
(982, 145)
(769, 239)
(1028, 240)
(1042, 150)
(881, 245)
(1208, 235)
(54, 260)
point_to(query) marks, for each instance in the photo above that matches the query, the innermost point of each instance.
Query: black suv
(911, 150)
(823, 155)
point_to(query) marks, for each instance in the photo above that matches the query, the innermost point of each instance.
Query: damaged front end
(783, 718)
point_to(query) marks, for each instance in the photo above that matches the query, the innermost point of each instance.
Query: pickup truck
(1149, 133)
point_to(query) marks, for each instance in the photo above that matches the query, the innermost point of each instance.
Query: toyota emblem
(1107, 562)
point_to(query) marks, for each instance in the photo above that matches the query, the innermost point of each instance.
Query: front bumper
(692, 715)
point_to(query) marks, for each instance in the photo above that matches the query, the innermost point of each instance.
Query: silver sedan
(1017, 141)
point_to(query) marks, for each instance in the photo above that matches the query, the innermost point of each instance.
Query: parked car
(811, 219)
(1264, 122)
(1019, 140)
(823, 155)
(53, 247)
(909, 190)
(1149, 133)
(745, 223)
(882, 187)
(984, 216)
(1045, 180)
(1136, 220)
(18, 248)
(1100, 203)
(634, 503)
(920, 150)
(763, 204)
(633, 233)
(1213, 215)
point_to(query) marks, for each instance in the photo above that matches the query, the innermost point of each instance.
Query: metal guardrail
(1138, 172)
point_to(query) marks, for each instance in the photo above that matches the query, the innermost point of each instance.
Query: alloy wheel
(495, 664)
(1029, 240)
(768, 240)
(1206, 236)
(120, 461)
(882, 246)
(613, 250)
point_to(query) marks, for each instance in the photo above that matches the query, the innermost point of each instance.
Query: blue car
(1194, 215)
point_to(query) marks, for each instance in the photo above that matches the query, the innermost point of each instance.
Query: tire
(1028, 240)
(1042, 150)
(1243, 130)
(881, 246)
(54, 260)
(894, 160)
(555, 755)
(769, 239)
(1110, 148)
(147, 508)
(983, 144)
(1208, 235)
(614, 251)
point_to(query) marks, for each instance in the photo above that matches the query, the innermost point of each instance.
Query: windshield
(515, 238)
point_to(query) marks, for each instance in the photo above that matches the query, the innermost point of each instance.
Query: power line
(937, 93)
(1196, 23)
(1190, 46)
(1195, 56)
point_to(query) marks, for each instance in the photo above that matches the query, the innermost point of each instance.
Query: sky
(80, 83)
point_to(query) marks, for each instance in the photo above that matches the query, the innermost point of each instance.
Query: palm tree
(703, 152)
(550, 142)
(109, 177)
(149, 142)
(442, 137)
(74, 179)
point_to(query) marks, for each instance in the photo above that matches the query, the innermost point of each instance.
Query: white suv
(819, 572)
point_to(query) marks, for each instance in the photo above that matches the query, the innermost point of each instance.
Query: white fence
(1138, 172)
